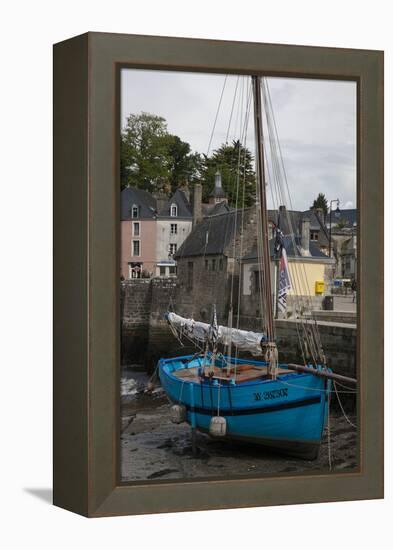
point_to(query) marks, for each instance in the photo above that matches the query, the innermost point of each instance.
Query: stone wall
(215, 277)
(146, 335)
(338, 342)
(199, 286)
(135, 309)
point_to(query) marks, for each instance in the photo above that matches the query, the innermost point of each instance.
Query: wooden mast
(260, 172)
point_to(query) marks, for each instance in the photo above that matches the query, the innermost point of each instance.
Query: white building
(174, 224)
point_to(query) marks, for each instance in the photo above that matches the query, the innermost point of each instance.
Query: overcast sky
(316, 122)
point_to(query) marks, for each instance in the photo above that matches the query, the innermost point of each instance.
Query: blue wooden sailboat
(281, 406)
(286, 414)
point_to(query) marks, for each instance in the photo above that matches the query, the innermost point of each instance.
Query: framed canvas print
(218, 259)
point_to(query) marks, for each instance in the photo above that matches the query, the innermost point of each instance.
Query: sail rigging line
(304, 281)
(216, 117)
(272, 176)
(259, 274)
(209, 145)
(277, 167)
(329, 435)
(341, 406)
(233, 105)
(210, 218)
(242, 220)
(276, 172)
(242, 134)
(241, 213)
(199, 277)
(346, 387)
(239, 111)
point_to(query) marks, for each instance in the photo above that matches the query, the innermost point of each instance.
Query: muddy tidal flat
(153, 448)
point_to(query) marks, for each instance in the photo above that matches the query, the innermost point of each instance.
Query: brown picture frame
(86, 281)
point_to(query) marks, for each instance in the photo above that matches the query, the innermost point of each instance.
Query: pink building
(138, 233)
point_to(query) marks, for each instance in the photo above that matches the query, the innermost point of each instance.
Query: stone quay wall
(338, 342)
(146, 335)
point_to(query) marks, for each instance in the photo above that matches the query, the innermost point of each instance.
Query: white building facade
(174, 224)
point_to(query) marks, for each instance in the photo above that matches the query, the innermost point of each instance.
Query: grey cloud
(316, 122)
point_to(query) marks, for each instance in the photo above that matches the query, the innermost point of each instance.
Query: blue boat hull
(287, 414)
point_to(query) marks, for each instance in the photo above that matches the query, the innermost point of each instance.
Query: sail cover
(244, 340)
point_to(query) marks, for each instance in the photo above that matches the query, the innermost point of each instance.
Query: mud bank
(152, 447)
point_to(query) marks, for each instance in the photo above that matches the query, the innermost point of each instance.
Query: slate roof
(212, 235)
(296, 217)
(216, 232)
(148, 204)
(143, 199)
(214, 209)
(184, 209)
(349, 215)
(293, 250)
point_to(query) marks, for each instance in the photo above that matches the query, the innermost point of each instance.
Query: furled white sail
(244, 340)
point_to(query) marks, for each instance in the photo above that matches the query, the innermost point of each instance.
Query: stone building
(221, 250)
(209, 262)
(344, 252)
(344, 243)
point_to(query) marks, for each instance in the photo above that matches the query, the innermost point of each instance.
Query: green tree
(153, 159)
(235, 164)
(321, 202)
(184, 166)
(342, 222)
(143, 152)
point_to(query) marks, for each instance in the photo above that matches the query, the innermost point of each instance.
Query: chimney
(305, 237)
(197, 204)
(186, 190)
(320, 213)
(161, 200)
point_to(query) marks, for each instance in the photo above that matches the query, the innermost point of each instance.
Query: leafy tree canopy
(238, 177)
(153, 159)
(320, 202)
(342, 222)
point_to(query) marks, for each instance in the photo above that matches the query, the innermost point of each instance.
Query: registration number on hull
(272, 394)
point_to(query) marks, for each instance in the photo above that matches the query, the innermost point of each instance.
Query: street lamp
(330, 223)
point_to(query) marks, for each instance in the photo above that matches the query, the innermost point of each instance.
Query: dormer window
(173, 210)
(135, 211)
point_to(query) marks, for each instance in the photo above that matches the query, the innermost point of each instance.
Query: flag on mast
(284, 280)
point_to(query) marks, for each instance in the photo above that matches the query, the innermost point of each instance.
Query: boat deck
(242, 373)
